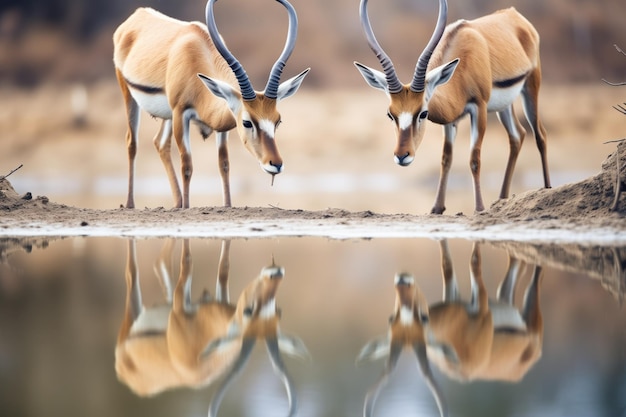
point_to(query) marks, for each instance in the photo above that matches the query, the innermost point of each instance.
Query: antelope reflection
(481, 338)
(407, 329)
(467, 340)
(182, 343)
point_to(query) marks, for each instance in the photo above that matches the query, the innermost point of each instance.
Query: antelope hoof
(437, 210)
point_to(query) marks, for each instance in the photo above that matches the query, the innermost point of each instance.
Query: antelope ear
(439, 76)
(374, 78)
(374, 349)
(223, 90)
(293, 346)
(289, 87)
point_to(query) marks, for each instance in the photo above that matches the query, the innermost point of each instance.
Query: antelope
(191, 344)
(467, 68)
(479, 339)
(407, 328)
(161, 66)
(485, 339)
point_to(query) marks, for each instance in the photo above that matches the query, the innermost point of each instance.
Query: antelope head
(256, 317)
(408, 107)
(256, 113)
(407, 328)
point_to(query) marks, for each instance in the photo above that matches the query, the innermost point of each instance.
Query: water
(76, 339)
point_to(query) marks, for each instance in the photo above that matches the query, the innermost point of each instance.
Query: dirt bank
(578, 212)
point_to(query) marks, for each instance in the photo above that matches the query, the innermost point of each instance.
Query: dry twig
(616, 84)
(11, 172)
(618, 178)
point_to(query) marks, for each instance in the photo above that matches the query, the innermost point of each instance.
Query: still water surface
(311, 327)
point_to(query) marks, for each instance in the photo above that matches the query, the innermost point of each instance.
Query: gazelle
(461, 332)
(161, 65)
(182, 343)
(407, 328)
(469, 67)
(492, 340)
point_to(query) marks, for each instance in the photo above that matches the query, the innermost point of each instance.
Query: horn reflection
(186, 343)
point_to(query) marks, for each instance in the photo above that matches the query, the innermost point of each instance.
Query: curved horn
(271, 89)
(419, 77)
(247, 92)
(242, 359)
(390, 73)
(372, 395)
(422, 359)
(279, 367)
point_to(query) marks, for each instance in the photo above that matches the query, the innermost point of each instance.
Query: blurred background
(62, 116)
(70, 40)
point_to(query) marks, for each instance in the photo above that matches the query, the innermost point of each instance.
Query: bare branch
(614, 84)
(11, 172)
(609, 82)
(614, 141)
(619, 50)
(620, 108)
(618, 182)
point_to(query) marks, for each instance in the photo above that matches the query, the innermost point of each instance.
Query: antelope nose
(403, 160)
(273, 167)
(273, 272)
(404, 278)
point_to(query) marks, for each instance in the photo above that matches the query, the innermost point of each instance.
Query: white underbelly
(155, 104)
(501, 98)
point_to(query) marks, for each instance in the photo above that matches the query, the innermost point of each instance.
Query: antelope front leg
(450, 286)
(181, 122)
(446, 162)
(163, 143)
(132, 115)
(478, 123)
(221, 287)
(224, 165)
(480, 300)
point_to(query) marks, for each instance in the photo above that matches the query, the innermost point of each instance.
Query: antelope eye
(390, 116)
(247, 124)
(278, 123)
(423, 115)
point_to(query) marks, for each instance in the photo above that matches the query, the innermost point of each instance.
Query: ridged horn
(372, 395)
(247, 92)
(393, 82)
(271, 89)
(422, 360)
(281, 370)
(244, 355)
(419, 77)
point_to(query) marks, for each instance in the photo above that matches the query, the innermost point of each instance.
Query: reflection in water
(467, 340)
(606, 264)
(184, 343)
(482, 338)
(61, 314)
(406, 329)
